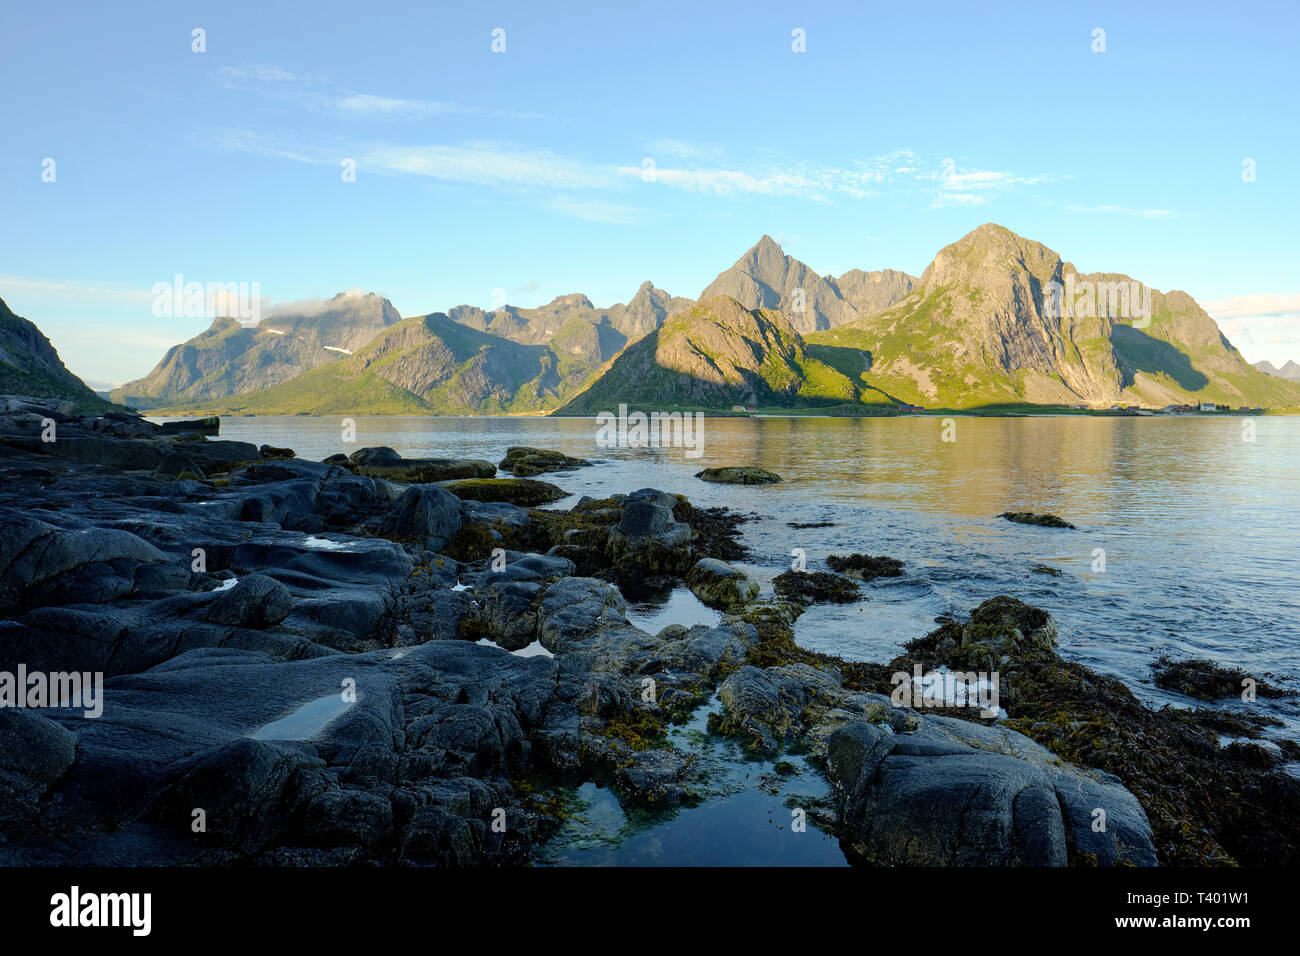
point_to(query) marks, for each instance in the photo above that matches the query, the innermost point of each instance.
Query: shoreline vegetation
(453, 666)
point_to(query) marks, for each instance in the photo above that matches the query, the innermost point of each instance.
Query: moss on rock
(816, 587)
(739, 476)
(865, 567)
(525, 492)
(1043, 521)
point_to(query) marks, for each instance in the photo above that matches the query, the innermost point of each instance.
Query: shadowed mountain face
(231, 359)
(766, 278)
(999, 318)
(715, 354)
(1290, 371)
(29, 365)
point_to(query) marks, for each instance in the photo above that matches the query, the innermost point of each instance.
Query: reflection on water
(1197, 528)
(679, 606)
(745, 817)
(305, 722)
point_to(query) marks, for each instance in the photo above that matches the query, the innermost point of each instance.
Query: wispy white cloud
(385, 107)
(322, 95)
(235, 77)
(1264, 326)
(805, 181)
(680, 149)
(314, 305)
(948, 198)
(257, 144)
(72, 288)
(479, 162)
(596, 210)
(1235, 306)
(772, 176)
(504, 164)
(1124, 211)
(953, 186)
(486, 163)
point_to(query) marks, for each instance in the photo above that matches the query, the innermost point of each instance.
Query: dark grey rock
(35, 753)
(256, 601)
(427, 514)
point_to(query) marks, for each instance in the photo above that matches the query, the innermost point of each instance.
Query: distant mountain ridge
(521, 360)
(872, 292)
(1289, 371)
(422, 365)
(991, 321)
(566, 313)
(230, 359)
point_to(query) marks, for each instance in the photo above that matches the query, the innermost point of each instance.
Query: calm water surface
(1198, 528)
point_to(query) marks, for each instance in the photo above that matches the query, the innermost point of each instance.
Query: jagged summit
(766, 278)
(994, 318)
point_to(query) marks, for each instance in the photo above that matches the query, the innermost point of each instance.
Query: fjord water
(1197, 525)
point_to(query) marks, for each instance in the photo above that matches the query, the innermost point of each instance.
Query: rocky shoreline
(378, 660)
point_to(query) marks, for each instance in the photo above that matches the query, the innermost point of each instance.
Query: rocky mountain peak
(988, 251)
(766, 278)
(1289, 371)
(574, 300)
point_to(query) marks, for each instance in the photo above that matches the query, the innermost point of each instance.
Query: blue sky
(898, 130)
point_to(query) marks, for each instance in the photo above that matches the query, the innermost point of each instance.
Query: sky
(597, 147)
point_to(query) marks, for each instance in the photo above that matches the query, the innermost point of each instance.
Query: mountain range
(981, 327)
(1290, 371)
(429, 364)
(994, 319)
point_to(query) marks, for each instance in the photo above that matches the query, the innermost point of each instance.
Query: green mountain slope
(716, 354)
(982, 326)
(29, 365)
(423, 365)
